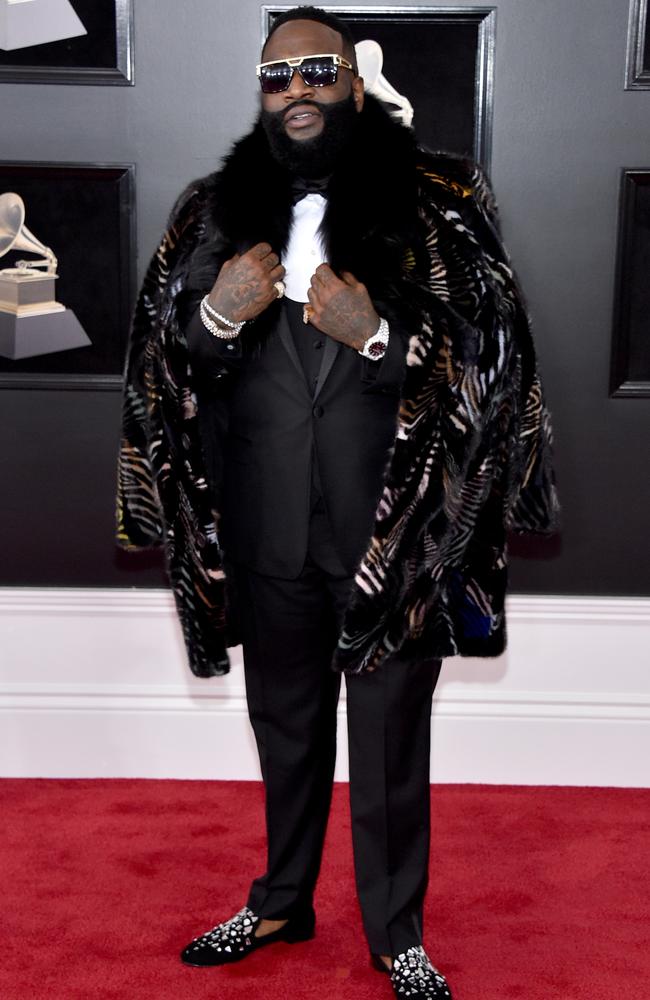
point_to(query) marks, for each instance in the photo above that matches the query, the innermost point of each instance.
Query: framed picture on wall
(68, 331)
(637, 71)
(66, 41)
(441, 59)
(630, 372)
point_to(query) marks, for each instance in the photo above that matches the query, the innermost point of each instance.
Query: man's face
(298, 105)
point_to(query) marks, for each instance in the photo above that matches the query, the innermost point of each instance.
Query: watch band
(376, 346)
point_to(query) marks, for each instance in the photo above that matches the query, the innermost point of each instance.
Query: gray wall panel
(563, 129)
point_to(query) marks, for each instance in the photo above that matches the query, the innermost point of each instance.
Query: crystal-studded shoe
(414, 976)
(235, 938)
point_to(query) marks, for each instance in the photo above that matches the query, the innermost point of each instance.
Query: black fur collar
(371, 218)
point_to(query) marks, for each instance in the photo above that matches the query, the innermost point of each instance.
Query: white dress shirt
(305, 250)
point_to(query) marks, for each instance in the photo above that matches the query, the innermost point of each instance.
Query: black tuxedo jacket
(303, 416)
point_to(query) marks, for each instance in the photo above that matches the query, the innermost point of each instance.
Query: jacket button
(318, 411)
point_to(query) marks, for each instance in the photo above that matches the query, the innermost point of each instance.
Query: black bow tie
(301, 186)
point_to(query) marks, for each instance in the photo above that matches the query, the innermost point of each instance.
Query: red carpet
(535, 893)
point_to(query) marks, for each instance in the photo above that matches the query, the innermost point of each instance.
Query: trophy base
(26, 290)
(37, 22)
(29, 336)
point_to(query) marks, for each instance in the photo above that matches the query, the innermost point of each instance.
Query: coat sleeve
(138, 509)
(163, 495)
(434, 572)
(531, 498)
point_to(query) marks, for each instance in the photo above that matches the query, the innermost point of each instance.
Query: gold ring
(280, 288)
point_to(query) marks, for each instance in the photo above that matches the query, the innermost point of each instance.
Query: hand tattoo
(245, 285)
(341, 307)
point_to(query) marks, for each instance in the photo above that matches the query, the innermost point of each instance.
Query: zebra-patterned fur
(471, 456)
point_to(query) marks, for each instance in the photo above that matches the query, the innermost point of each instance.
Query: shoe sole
(289, 939)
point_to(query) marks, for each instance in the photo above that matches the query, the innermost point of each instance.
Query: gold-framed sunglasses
(316, 71)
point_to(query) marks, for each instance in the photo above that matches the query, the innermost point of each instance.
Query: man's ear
(358, 92)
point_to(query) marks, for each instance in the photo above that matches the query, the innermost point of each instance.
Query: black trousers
(289, 630)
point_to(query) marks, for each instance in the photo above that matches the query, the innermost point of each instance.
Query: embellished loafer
(235, 938)
(414, 976)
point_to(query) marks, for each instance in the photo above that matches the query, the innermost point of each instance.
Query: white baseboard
(94, 683)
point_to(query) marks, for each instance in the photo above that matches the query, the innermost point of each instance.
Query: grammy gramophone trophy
(32, 322)
(370, 60)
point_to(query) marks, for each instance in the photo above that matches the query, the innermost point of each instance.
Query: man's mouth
(301, 116)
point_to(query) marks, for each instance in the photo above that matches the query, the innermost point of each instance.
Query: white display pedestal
(36, 22)
(28, 336)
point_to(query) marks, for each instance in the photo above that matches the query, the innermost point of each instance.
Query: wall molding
(94, 683)
(166, 698)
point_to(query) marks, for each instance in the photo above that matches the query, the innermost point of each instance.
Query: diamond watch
(376, 346)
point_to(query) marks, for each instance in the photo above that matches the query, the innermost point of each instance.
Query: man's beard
(318, 156)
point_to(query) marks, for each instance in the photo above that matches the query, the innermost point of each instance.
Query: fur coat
(471, 455)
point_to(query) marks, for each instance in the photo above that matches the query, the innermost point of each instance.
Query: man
(332, 391)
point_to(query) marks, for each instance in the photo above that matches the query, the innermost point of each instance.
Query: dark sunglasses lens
(318, 72)
(275, 79)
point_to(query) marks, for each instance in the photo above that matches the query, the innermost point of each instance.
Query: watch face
(376, 350)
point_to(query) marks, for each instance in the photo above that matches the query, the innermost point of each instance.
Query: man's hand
(341, 307)
(244, 287)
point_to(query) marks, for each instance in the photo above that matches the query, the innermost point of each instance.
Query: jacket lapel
(287, 342)
(330, 352)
